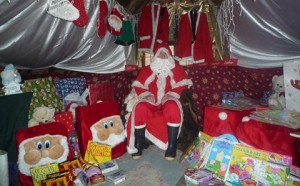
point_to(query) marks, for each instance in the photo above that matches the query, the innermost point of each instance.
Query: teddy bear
(41, 115)
(277, 99)
(11, 80)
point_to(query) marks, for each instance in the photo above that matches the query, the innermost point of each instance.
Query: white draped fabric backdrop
(266, 34)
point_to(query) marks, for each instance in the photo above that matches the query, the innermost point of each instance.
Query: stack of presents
(63, 132)
(245, 142)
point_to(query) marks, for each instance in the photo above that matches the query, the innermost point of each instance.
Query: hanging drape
(31, 38)
(266, 34)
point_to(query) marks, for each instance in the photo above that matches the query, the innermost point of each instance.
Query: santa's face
(42, 150)
(162, 63)
(109, 130)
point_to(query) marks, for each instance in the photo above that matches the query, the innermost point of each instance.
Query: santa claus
(158, 87)
(41, 145)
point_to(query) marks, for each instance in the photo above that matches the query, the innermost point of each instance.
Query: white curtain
(266, 34)
(30, 38)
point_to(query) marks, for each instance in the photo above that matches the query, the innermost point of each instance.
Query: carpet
(151, 169)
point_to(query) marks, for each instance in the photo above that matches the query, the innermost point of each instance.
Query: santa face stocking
(102, 18)
(62, 9)
(83, 16)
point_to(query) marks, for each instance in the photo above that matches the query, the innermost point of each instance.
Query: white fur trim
(156, 141)
(140, 126)
(173, 124)
(142, 38)
(131, 150)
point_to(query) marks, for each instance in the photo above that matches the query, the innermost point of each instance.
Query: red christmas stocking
(102, 18)
(83, 16)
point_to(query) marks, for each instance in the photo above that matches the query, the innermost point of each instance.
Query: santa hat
(163, 48)
(27, 134)
(115, 22)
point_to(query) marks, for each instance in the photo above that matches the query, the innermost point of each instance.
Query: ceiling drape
(32, 39)
(265, 35)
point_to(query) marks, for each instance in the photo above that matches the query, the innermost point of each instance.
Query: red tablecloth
(270, 137)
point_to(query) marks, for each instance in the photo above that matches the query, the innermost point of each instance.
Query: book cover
(109, 166)
(197, 153)
(116, 177)
(40, 173)
(97, 153)
(197, 176)
(220, 154)
(250, 165)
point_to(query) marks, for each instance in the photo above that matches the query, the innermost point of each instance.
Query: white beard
(25, 168)
(161, 67)
(112, 139)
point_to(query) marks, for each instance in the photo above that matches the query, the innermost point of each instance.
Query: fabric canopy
(266, 34)
(31, 38)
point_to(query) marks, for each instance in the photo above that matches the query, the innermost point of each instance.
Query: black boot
(172, 143)
(139, 142)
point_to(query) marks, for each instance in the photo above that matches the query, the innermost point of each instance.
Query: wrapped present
(101, 92)
(66, 118)
(70, 85)
(44, 94)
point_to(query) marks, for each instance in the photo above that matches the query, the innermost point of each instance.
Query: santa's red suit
(158, 95)
(153, 27)
(194, 42)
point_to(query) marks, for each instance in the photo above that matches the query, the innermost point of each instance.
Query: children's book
(197, 153)
(108, 166)
(197, 176)
(220, 154)
(97, 153)
(40, 173)
(253, 166)
(116, 177)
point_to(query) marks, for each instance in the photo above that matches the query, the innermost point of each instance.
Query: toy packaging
(116, 177)
(39, 173)
(197, 153)
(197, 176)
(292, 86)
(109, 166)
(249, 165)
(97, 153)
(220, 154)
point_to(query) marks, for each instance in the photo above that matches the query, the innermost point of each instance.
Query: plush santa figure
(158, 87)
(101, 122)
(40, 145)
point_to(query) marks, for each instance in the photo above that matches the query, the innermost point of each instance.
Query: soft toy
(277, 99)
(11, 79)
(98, 123)
(41, 145)
(41, 115)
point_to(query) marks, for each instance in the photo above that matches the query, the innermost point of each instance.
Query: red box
(218, 121)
